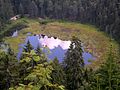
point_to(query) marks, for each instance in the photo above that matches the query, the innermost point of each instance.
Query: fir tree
(42, 56)
(26, 60)
(21, 10)
(9, 75)
(37, 78)
(6, 10)
(109, 73)
(33, 9)
(58, 75)
(38, 50)
(74, 65)
(28, 47)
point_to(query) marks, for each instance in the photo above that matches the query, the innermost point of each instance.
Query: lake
(57, 47)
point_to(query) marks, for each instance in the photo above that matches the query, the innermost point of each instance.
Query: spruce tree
(6, 9)
(58, 75)
(33, 9)
(9, 75)
(28, 47)
(50, 7)
(26, 60)
(74, 65)
(42, 56)
(21, 10)
(109, 73)
(38, 50)
(39, 78)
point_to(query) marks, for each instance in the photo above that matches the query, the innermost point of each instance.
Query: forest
(103, 13)
(33, 70)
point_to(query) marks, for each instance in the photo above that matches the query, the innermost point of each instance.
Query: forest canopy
(105, 14)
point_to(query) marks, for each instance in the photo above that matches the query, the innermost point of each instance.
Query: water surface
(57, 48)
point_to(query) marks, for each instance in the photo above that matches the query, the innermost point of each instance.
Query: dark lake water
(57, 48)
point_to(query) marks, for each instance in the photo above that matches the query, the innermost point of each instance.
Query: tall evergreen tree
(50, 7)
(57, 75)
(37, 77)
(38, 50)
(42, 56)
(73, 10)
(74, 65)
(33, 9)
(9, 75)
(6, 10)
(109, 74)
(21, 9)
(41, 8)
(28, 47)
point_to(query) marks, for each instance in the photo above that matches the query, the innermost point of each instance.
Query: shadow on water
(57, 47)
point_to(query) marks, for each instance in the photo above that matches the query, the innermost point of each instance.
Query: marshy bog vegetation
(59, 45)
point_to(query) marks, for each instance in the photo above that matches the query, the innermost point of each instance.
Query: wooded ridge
(105, 14)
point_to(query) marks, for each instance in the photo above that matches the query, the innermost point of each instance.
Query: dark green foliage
(74, 65)
(6, 10)
(9, 75)
(38, 50)
(35, 71)
(50, 8)
(58, 75)
(109, 74)
(43, 22)
(30, 59)
(104, 14)
(21, 10)
(25, 64)
(33, 9)
(40, 53)
(28, 47)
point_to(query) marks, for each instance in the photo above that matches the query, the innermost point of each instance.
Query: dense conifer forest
(102, 13)
(33, 71)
